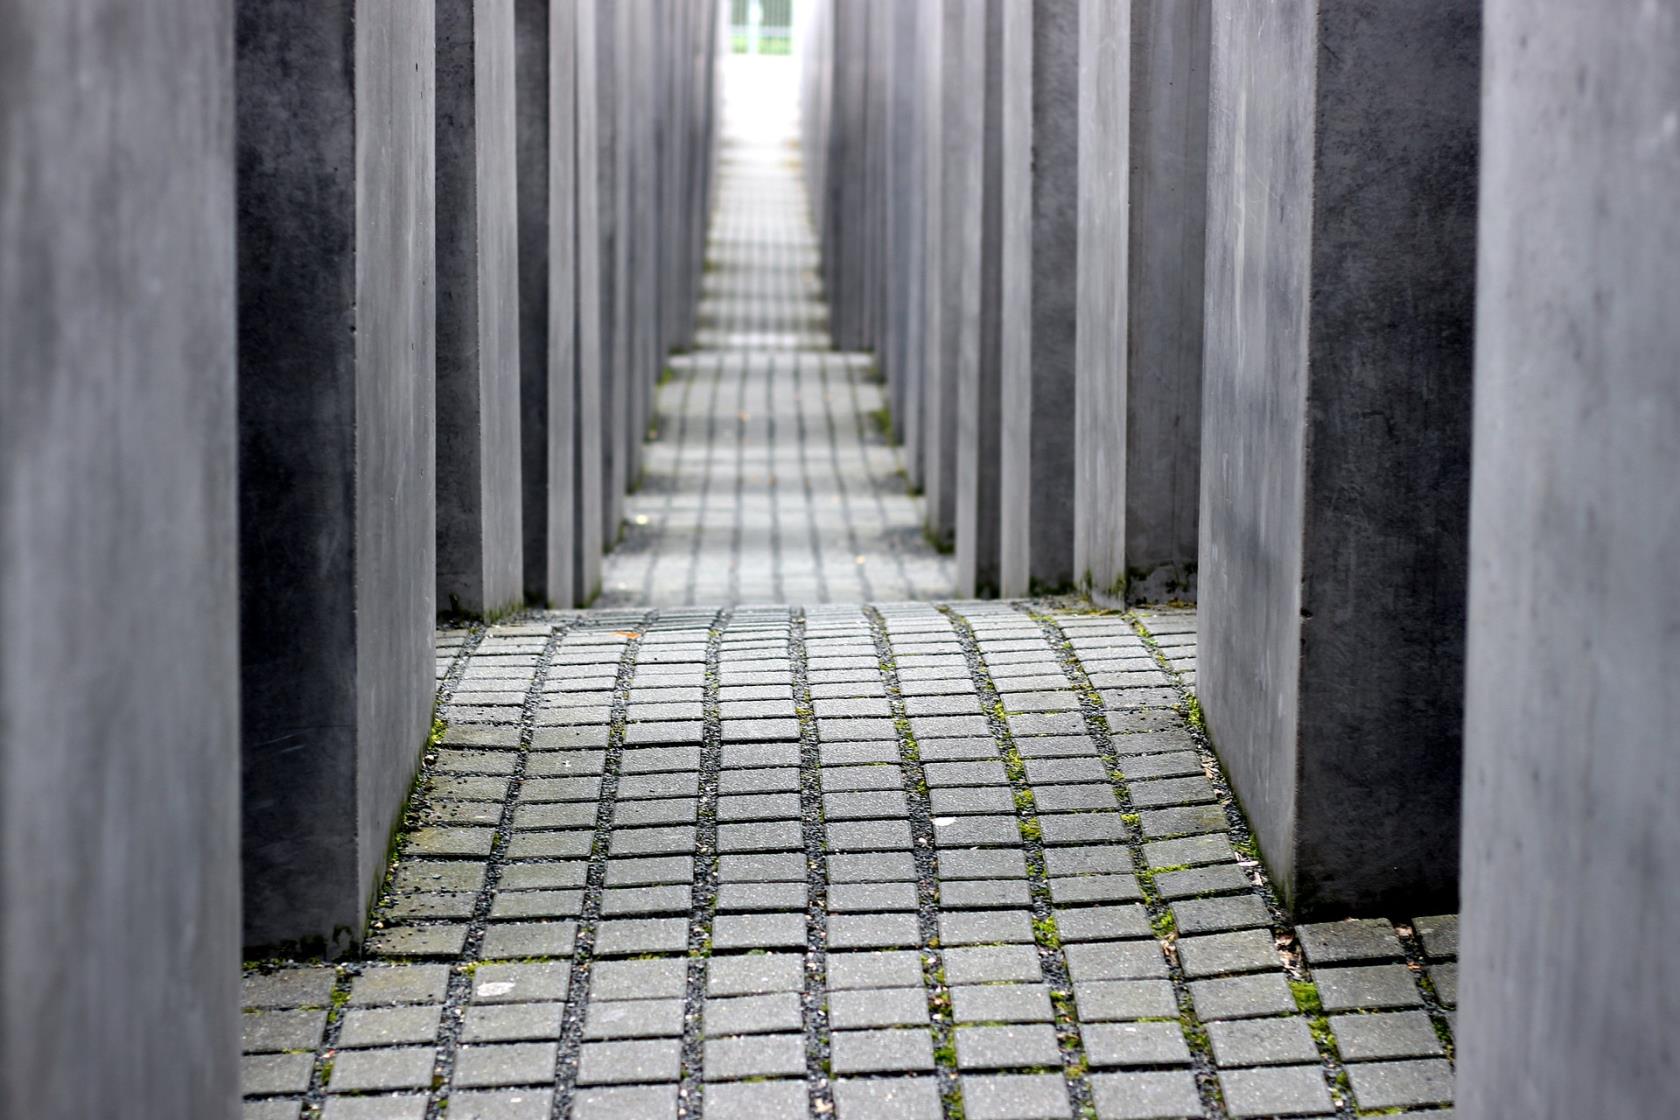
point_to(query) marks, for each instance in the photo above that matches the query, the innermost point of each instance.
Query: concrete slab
(1336, 439)
(480, 556)
(1570, 709)
(119, 784)
(1039, 239)
(337, 538)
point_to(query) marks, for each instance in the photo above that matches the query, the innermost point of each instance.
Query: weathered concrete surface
(480, 553)
(1104, 240)
(1142, 215)
(1336, 438)
(591, 314)
(980, 347)
(546, 89)
(119, 890)
(954, 125)
(1039, 245)
(604, 220)
(1164, 295)
(1574, 640)
(905, 236)
(337, 538)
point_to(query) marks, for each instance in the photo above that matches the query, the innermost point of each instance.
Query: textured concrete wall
(1040, 184)
(1164, 294)
(546, 89)
(1335, 438)
(1104, 139)
(593, 301)
(607, 219)
(960, 51)
(1574, 638)
(336, 359)
(119, 904)
(480, 555)
(979, 347)
(905, 231)
(1142, 221)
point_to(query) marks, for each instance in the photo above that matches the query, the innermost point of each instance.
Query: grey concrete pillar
(955, 73)
(337, 317)
(594, 296)
(1574, 629)
(119, 811)
(905, 236)
(618, 73)
(1039, 250)
(1335, 439)
(1142, 217)
(547, 119)
(480, 555)
(979, 349)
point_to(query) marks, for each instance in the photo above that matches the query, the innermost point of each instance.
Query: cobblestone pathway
(769, 479)
(966, 860)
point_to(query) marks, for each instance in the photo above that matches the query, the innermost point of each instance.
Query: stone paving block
(984, 894)
(882, 1051)
(493, 1066)
(513, 940)
(761, 807)
(619, 937)
(640, 901)
(288, 988)
(641, 1102)
(1225, 878)
(735, 1059)
(406, 1106)
(630, 1062)
(761, 836)
(977, 832)
(275, 1031)
(425, 983)
(262, 1074)
(388, 1026)
(1395, 1034)
(1015, 1096)
(650, 872)
(868, 836)
(1401, 1084)
(782, 779)
(758, 931)
(887, 1098)
(1117, 1000)
(1375, 987)
(564, 815)
(1362, 939)
(1135, 1044)
(873, 931)
(640, 979)
(1217, 953)
(1146, 1095)
(635, 1018)
(1009, 1047)
(1102, 923)
(551, 845)
(1001, 1003)
(1280, 1090)
(982, 865)
(512, 1022)
(504, 1104)
(1439, 936)
(985, 965)
(520, 983)
(1189, 820)
(986, 927)
(735, 897)
(765, 1100)
(1123, 960)
(275, 1109)
(1094, 889)
(865, 971)
(763, 1014)
(1445, 979)
(360, 1071)
(848, 779)
(757, 974)
(1262, 1042)
(875, 867)
(776, 867)
(1214, 915)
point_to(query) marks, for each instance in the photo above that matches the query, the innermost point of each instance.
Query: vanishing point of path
(855, 856)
